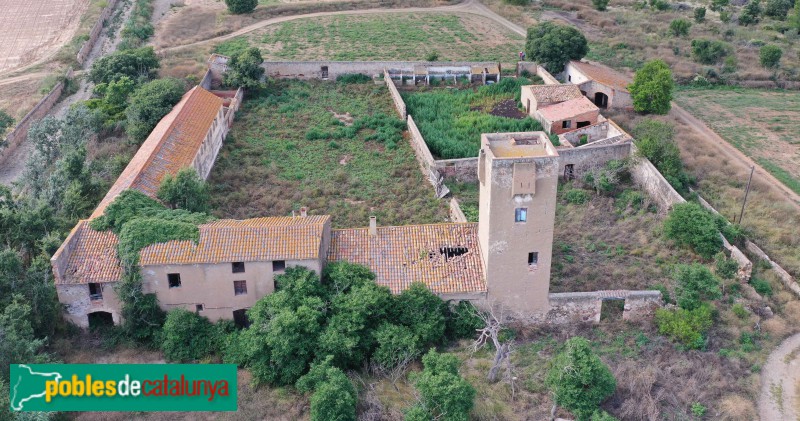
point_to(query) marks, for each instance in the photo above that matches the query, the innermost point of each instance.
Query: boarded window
(524, 178)
(278, 265)
(520, 214)
(239, 287)
(237, 267)
(174, 280)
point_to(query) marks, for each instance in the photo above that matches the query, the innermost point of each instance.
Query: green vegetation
(241, 6)
(695, 284)
(553, 45)
(725, 268)
(148, 105)
(750, 14)
(187, 336)
(778, 9)
(334, 396)
(6, 121)
(689, 224)
(138, 28)
(600, 5)
(232, 46)
(577, 196)
(700, 14)
(443, 393)
(770, 56)
(680, 27)
(389, 37)
(579, 381)
(652, 88)
(244, 70)
(686, 326)
(131, 63)
(267, 167)
(708, 51)
(186, 190)
(655, 141)
(452, 120)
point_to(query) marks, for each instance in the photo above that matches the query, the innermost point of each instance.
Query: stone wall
(646, 175)
(77, 303)
(585, 158)
(313, 69)
(399, 104)
(784, 276)
(464, 169)
(585, 307)
(421, 150)
(18, 135)
(208, 77)
(87, 47)
(456, 214)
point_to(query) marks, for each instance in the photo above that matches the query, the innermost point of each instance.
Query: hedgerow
(452, 121)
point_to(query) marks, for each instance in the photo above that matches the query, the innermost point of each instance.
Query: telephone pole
(746, 192)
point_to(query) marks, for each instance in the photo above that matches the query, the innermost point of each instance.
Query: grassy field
(288, 149)
(764, 124)
(452, 120)
(388, 37)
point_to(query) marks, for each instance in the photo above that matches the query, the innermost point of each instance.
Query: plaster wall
(313, 69)
(78, 304)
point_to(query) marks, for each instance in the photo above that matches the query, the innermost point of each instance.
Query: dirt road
(732, 153)
(779, 378)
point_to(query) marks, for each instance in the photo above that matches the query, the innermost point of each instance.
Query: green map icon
(27, 385)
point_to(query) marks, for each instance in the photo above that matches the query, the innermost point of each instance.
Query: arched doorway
(601, 100)
(100, 320)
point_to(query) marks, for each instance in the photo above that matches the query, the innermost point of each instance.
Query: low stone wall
(784, 276)
(456, 214)
(208, 77)
(313, 69)
(585, 307)
(646, 175)
(20, 132)
(94, 34)
(583, 159)
(464, 169)
(399, 104)
(421, 150)
(546, 76)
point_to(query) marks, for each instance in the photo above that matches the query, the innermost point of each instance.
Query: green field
(386, 37)
(294, 146)
(764, 124)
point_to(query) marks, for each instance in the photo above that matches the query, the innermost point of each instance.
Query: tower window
(520, 214)
(533, 258)
(239, 287)
(237, 267)
(174, 280)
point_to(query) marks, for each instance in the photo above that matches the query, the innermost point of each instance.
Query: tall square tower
(518, 175)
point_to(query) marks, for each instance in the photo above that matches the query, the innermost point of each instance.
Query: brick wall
(94, 34)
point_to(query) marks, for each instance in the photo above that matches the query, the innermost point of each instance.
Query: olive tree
(554, 45)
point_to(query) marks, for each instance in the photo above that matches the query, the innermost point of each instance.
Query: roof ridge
(437, 224)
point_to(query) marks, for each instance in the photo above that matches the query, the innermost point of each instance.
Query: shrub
(349, 78)
(680, 27)
(6, 121)
(579, 381)
(725, 268)
(725, 16)
(186, 336)
(601, 415)
(761, 286)
(600, 5)
(659, 4)
(652, 88)
(395, 344)
(698, 410)
(687, 327)
(334, 396)
(463, 320)
(553, 45)
(241, 6)
(740, 311)
(423, 312)
(654, 140)
(518, 2)
(148, 104)
(432, 56)
(443, 393)
(629, 198)
(132, 63)
(244, 69)
(778, 9)
(750, 14)
(689, 224)
(708, 51)
(700, 14)
(695, 284)
(185, 191)
(577, 196)
(718, 5)
(770, 56)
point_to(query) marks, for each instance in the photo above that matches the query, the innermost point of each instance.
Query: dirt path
(469, 6)
(779, 377)
(23, 78)
(731, 152)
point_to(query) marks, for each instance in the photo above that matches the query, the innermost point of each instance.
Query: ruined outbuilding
(560, 108)
(601, 85)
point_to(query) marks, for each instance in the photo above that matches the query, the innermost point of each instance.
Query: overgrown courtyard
(336, 148)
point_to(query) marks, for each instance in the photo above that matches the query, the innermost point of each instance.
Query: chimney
(304, 211)
(373, 226)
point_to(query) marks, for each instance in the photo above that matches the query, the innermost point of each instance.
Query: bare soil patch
(508, 108)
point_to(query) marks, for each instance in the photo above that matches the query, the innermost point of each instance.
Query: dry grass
(736, 408)
(18, 98)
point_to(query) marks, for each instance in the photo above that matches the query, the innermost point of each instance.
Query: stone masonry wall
(313, 69)
(646, 175)
(399, 104)
(585, 307)
(95, 32)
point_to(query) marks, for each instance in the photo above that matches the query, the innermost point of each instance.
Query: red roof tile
(414, 253)
(92, 256)
(567, 109)
(554, 93)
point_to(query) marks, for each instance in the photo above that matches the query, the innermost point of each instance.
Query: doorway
(601, 100)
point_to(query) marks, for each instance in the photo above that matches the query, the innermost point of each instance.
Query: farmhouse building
(560, 108)
(603, 86)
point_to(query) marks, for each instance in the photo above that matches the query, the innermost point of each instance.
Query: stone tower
(518, 175)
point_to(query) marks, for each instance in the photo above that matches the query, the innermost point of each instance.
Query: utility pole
(746, 192)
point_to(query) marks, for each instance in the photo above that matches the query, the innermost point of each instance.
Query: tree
(794, 18)
(186, 190)
(334, 396)
(770, 56)
(718, 5)
(186, 336)
(494, 322)
(750, 14)
(778, 9)
(397, 348)
(652, 88)
(579, 381)
(700, 14)
(244, 69)
(17, 341)
(444, 394)
(241, 6)
(689, 224)
(680, 27)
(141, 315)
(148, 104)
(6, 121)
(137, 64)
(654, 140)
(423, 312)
(707, 51)
(695, 284)
(553, 45)
(600, 5)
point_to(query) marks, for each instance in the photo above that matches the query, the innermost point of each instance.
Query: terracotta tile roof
(567, 109)
(603, 75)
(172, 145)
(257, 239)
(92, 256)
(406, 254)
(554, 93)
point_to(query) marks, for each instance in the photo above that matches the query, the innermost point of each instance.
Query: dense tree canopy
(137, 64)
(443, 393)
(244, 69)
(652, 88)
(148, 104)
(654, 140)
(579, 381)
(553, 45)
(689, 224)
(186, 190)
(241, 6)
(187, 336)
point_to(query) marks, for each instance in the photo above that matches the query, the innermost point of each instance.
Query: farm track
(779, 378)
